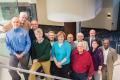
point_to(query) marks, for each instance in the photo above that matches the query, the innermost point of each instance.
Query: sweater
(61, 52)
(41, 51)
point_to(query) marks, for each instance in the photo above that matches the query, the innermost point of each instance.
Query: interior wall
(101, 20)
(42, 14)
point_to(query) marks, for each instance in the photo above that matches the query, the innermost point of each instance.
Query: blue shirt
(61, 52)
(18, 40)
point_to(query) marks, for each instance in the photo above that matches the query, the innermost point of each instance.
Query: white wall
(42, 14)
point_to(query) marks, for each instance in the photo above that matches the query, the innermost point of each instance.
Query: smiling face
(60, 38)
(34, 24)
(106, 43)
(15, 22)
(95, 44)
(92, 33)
(23, 17)
(80, 47)
(70, 38)
(38, 34)
(51, 36)
(80, 37)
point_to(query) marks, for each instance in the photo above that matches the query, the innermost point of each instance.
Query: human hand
(99, 72)
(89, 78)
(21, 56)
(18, 56)
(59, 65)
(35, 60)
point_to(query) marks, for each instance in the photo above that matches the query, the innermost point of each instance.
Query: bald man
(18, 43)
(24, 23)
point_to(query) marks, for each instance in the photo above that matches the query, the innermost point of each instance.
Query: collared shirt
(82, 63)
(105, 53)
(73, 46)
(40, 41)
(51, 59)
(51, 43)
(91, 39)
(18, 40)
(62, 52)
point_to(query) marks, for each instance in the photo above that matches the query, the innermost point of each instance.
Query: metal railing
(32, 72)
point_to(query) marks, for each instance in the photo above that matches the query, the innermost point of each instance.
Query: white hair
(80, 33)
(38, 30)
(23, 14)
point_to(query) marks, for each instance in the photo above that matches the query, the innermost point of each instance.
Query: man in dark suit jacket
(92, 36)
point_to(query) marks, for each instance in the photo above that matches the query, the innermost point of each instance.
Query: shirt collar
(40, 41)
(105, 49)
(16, 29)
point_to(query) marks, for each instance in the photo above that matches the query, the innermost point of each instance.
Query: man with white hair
(81, 63)
(41, 54)
(80, 38)
(24, 23)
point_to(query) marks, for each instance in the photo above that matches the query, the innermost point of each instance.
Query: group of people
(83, 59)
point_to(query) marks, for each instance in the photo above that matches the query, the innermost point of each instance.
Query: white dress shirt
(105, 54)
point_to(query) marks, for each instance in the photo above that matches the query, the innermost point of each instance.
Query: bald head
(15, 22)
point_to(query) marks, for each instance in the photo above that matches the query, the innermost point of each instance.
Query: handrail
(32, 72)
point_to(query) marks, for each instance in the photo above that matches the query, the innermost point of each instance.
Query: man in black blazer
(92, 36)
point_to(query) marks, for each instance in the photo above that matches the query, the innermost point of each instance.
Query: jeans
(79, 76)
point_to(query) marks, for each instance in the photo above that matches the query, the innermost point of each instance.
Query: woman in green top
(41, 54)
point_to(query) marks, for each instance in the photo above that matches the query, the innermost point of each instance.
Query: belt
(19, 52)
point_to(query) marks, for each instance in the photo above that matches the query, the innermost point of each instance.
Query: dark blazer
(88, 40)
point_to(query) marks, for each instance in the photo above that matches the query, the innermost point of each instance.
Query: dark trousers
(14, 63)
(52, 68)
(79, 76)
(62, 72)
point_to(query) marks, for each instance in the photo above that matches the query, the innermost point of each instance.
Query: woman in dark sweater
(41, 54)
(97, 57)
